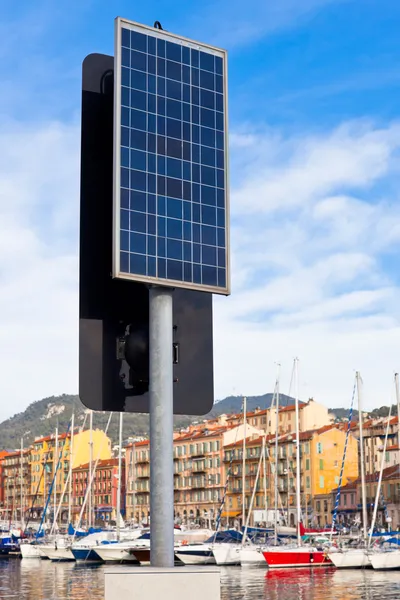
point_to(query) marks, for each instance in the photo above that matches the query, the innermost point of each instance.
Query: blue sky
(315, 137)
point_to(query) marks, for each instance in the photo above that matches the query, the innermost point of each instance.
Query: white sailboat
(227, 553)
(353, 558)
(386, 559)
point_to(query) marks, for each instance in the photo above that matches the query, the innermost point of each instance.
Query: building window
(318, 505)
(307, 464)
(321, 464)
(321, 482)
(319, 448)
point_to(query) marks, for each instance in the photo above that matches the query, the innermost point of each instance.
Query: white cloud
(38, 262)
(312, 232)
(310, 280)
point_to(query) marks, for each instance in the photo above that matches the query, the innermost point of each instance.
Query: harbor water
(43, 580)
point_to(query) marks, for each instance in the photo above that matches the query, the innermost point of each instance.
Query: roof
(138, 444)
(392, 472)
(285, 437)
(14, 453)
(350, 485)
(108, 462)
(50, 438)
(203, 434)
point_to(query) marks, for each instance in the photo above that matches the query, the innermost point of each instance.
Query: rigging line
(68, 477)
(92, 476)
(337, 499)
(228, 475)
(51, 487)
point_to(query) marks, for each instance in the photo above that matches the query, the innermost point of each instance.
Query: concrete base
(152, 583)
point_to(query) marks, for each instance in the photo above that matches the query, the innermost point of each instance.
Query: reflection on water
(43, 580)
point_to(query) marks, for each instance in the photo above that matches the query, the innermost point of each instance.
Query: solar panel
(170, 160)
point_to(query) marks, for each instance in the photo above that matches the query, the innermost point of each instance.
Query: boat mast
(244, 462)
(362, 466)
(276, 457)
(22, 477)
(121, 415)
(90, 468)
(55, 465)
(298, 482)
(71, 461)
(264, 450)
(396, 384)
(378, 489)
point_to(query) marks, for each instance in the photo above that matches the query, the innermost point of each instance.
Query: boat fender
(312, 558)
(184, 542)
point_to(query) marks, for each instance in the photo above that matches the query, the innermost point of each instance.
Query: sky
(314, 96)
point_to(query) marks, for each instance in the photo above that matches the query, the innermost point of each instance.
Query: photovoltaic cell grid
(172, 163)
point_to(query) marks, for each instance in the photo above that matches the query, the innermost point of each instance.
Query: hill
(42, 417)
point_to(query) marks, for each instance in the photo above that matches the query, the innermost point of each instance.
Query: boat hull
(192, 555)
(252, 557)
(30, 551)
(117, 555)
(284, 559)
(226, 554)
(385, 561)
(352, 559)
(86, 554)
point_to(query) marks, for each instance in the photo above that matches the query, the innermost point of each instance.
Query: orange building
(199, 476)
(321, 453)
(104, 490)
(16, 485)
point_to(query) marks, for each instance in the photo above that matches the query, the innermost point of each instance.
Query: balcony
(198, 482)
(197, 451)
(199, 466)
(143, 475)
(142, 459)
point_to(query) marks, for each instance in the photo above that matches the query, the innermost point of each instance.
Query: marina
(40, 580)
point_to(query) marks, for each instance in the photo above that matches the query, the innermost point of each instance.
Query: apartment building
(199, 477)
(47, 451)
(312, 415)
(350, 507)
(104, 491)
(374, 431)
(16, 477)
(3, 453)
(321, 453)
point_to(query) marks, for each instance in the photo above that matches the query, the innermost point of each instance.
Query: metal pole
(244, 463)
(55, 463)
(362, 466)
(121, 417)
(265, 478)
(161, 428)
(298, 483)
(71, 464)
(22, 477)
(276, 499)
(89, 519)
(288, 487)
(396, 383)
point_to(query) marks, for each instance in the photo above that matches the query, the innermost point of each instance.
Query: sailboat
(250, 553)
(356, 557)
(387, 558)
(227, 552)
(298, 556)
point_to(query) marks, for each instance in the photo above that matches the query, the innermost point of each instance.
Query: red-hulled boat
(281, 557)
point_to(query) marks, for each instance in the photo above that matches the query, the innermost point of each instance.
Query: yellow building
(321, 454)
(44, 464)
(312, 415)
